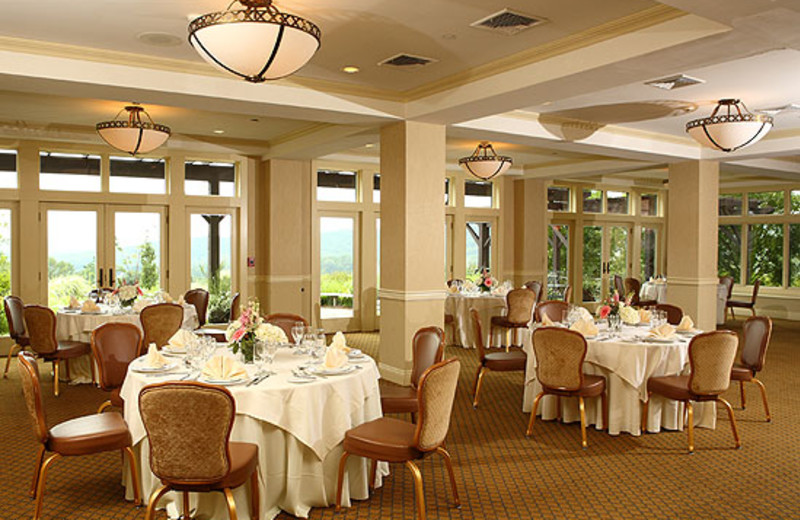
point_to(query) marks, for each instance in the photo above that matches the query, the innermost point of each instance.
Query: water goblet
(297, 331)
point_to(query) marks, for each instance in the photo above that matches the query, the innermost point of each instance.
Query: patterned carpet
(500, 472)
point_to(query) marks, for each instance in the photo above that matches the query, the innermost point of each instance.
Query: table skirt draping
(459, 306)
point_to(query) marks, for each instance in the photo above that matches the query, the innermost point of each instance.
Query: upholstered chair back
(428, 345)
(559, 357)
(159, 323)
(520, 304)
(553, 309)
(198, 298)
(757, 332)
(436, 393)
(711, 357)
(286, 321)
(32, 391)
(536, 287)
(188, 426)
(40, 322)
(236, 310)
(15, 315)
(674, 313)
(114, 346)
(727, 281)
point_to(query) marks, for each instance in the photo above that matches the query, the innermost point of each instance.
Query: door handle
(111, 277)
(100, 281)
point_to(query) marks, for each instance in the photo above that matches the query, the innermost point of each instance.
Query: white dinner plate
(693, 332)
(301, 380)
(225, 382)
(169, 349)
(91, 313)
(138, 367)
(334, 371)
(660, 340)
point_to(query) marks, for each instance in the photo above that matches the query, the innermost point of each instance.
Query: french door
(338, 267)
(605, 254)
(87, 246)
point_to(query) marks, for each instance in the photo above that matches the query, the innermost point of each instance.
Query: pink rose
(604, 311)
(488, 282)
(238, 334)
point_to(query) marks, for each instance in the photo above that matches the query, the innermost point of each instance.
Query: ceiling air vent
(507, 22)
(406, 61)
(673, 82)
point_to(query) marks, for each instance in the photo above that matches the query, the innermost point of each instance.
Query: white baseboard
(394, 374)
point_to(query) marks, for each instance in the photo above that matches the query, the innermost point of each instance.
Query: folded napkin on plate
(585, 327)
(340, 343)
(154, 359)
(664, 331)
(74, 303)
(453, 289)
(686, 324)
(89, 306)
(585, 314)
(546, 321)
(334, 358)
(166, 297)
(181, 339)
(644, 316)
(223, 368)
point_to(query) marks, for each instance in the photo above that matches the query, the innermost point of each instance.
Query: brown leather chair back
(553, 309)
(727, 281)
(757, 332)
(159, 323)
(114, 346)
(236, 310)
(428, 349)
(711, 357)
(15, 315)
(41, 324)
(520, 304)
(674, 313)
(285, 321)
(619, 286)
(756, 287)
(632, 287)
(559, 357)
(568, 293)
(537, 288)
(478, 333)
(198, 298)
(435, 394)
(188, 426)
(453, 281)
(32, 391)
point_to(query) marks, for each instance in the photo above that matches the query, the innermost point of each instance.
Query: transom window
(133, 175)
(477, 194)
(337, 186)
(8, 169)
(558, 198)
(69, 172)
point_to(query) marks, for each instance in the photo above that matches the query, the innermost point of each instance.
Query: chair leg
(529, 431)
(741, 395)
(373, 470)
(137, 493)
(153, 502)
(604, 400)
(645, 409)
(187, 512)
(582, 407)
(340, 481)
(56, 364)
(764, 398)
(231, 504)
(478, 384)
(40, 484)
(690, 421)
(733, 422)
(419, 493)
(106, 404)
(11, 350)
(255, 496)
(39, 462)
(449, 463)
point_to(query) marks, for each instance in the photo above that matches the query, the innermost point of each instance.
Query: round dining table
(298, 427)
(459, 306)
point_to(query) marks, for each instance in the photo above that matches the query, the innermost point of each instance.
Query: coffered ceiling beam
(574, 170)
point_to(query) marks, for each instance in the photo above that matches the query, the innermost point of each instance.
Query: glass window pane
(5, 263)
(592, 201)
(376, 188)
(477, 194)
(617, 202)
(765, 203)
(730, 204)
(649, 253)
(8, 171)
(618, 251)
(69, 172)
(336, 267)
(794, 255)
(210, 178)
(72, 257)
(479, 248)
(765, 254)
(211, 252)
(649, 205)
(137, 249)
(558, 198)
(336, 186)
(132, 175)
(557, 260)
(592, 263)
(729, 252)
(795, 201)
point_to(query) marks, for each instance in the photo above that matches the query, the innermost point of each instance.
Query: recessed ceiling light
(159, 39)
(254, 120)
(350, 69)
(219, 131)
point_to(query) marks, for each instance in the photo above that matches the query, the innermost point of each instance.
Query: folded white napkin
(89, 306)
(686, 324)
(181, 339)
(585, 314)
(644, 316)
(453, 289)
(154, 359)
(74, 303)
(223, 368)
(546, 321)
(664, 331)
(585, 327)
(166, 297)
(340, 343)
(334, 358)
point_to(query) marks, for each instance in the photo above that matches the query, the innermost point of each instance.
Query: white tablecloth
(626, 364)
(658, 291)
(298, 428)
(72, 326)
(459, 306)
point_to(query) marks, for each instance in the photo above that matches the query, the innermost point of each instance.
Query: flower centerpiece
(127, 293)
(485, 281)
(243, 333)
(616, 310)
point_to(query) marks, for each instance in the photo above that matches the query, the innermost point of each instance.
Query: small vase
(247, 350)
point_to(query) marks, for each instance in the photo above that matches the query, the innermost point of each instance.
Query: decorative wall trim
(692, 282)
(281, 278)
(412, 296)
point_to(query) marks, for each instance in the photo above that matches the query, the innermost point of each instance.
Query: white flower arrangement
(271, 334)
(629, 315)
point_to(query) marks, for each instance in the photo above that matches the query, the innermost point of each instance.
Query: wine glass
(297, 331)
(319, 343)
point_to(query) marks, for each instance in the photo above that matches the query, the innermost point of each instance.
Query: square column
(692, 240)
(412, 240)
(530, 231)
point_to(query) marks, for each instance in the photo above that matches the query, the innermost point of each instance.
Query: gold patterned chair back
(436, 393)
(32, 391)
(520, 305)
(559, 357)
(711, 357)
(159, 323)
(757, 332)
(41, 324)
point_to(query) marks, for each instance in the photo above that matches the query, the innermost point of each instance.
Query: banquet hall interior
(370, 259)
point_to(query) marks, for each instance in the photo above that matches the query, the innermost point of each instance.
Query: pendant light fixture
(133, 135)
(730, 127)
(254, 41)
(484, 163)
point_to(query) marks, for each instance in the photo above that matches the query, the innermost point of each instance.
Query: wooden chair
(286, 321)
(217, 333)
(76, 437)
(114, 346)
(745, 305)
(189, 427)
(392, 440)
(553, 309)
(199, 299)
(41, 324)
(160, 322)
(537, 288)
(568, 294)
(757, 332)
(711, 358)
(619, 286)
(559, 369)
(510, 359)
(236, 310)
(674, 313)
(15, 316)
(633, 287)
(453, 281)
(520, 304)
(428, 349)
